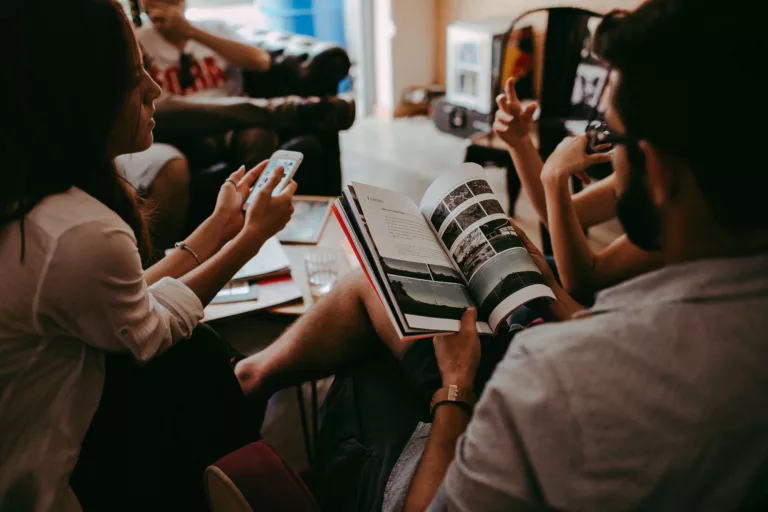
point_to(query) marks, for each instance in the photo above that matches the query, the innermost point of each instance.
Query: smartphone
(288, 160)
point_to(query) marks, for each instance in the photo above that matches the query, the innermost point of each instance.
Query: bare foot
(248, 374)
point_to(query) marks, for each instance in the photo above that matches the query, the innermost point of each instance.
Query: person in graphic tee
(191, 61)
(195, 60)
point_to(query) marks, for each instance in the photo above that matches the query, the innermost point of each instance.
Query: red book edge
(343, 225)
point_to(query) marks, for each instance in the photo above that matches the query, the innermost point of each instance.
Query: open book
(431, 262)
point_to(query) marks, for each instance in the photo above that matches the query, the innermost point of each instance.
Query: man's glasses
(186, 78)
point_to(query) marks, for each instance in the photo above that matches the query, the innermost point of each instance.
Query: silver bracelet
(184, 247)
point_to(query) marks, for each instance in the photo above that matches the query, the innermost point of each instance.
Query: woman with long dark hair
(73, 96)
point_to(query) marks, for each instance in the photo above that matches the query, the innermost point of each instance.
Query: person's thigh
(141, 169)
(157, 428)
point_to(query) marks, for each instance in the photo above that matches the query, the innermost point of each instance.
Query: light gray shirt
(659, 401)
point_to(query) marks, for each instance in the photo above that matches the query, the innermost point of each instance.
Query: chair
(256, 479)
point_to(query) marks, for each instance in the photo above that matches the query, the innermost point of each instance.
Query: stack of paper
(271, 261)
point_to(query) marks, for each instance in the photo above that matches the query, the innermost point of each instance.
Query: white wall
(403, 48)
(383, 33)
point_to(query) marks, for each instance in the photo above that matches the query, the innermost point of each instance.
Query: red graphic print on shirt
(207, 76)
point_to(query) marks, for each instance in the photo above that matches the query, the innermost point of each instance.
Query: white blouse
(79, 292)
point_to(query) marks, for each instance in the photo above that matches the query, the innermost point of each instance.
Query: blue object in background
(323, 19)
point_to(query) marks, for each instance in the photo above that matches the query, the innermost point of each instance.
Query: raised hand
(170, 20)
(571, 158)
(513, 123)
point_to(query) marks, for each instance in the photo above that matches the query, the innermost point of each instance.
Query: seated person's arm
(513, 125)
(520, 441)
(170, 19)
(210, 236)
(564, 306)
(620, 261)
(581, 270)
(596, 203)
(265, 217)
(457, 356)
(242, 55)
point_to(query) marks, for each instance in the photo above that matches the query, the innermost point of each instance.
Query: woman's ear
(661, 177)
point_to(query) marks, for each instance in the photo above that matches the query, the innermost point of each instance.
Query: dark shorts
(371, 411)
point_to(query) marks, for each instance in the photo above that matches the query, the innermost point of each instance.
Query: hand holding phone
(269, 213)
(289, 161)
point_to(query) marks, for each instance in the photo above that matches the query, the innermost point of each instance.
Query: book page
(472, 226)
(398, 227)
(427, 290)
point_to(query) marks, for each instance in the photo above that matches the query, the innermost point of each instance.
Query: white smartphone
(288, 160)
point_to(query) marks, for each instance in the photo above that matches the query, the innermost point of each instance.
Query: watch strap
(454, 394)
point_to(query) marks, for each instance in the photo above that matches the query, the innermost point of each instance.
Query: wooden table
(331, 240)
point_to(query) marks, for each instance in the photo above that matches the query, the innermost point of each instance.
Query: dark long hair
(69, 67)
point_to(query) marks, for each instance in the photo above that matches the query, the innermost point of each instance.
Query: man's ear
(660, 174)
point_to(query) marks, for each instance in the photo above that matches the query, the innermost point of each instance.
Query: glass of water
(322, 271)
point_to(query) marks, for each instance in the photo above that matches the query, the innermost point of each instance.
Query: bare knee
(359, 286)
(172, 182)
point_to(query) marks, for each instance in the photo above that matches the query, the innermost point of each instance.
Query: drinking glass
(322, 271)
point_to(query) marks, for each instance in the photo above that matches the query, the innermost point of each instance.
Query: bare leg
(169, 196)
(336, 331)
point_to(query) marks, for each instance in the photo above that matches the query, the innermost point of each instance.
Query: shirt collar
(702, 280)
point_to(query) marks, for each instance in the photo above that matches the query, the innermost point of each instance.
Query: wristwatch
(454, 394)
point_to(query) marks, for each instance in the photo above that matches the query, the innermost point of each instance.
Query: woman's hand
(269, 214)
(513, 123)
(571, 158)
(228, 214)
(458, 355)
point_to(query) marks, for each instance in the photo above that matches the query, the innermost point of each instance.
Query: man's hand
(170, 20)
(571, 158)
(459, 354)
(513, 123)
